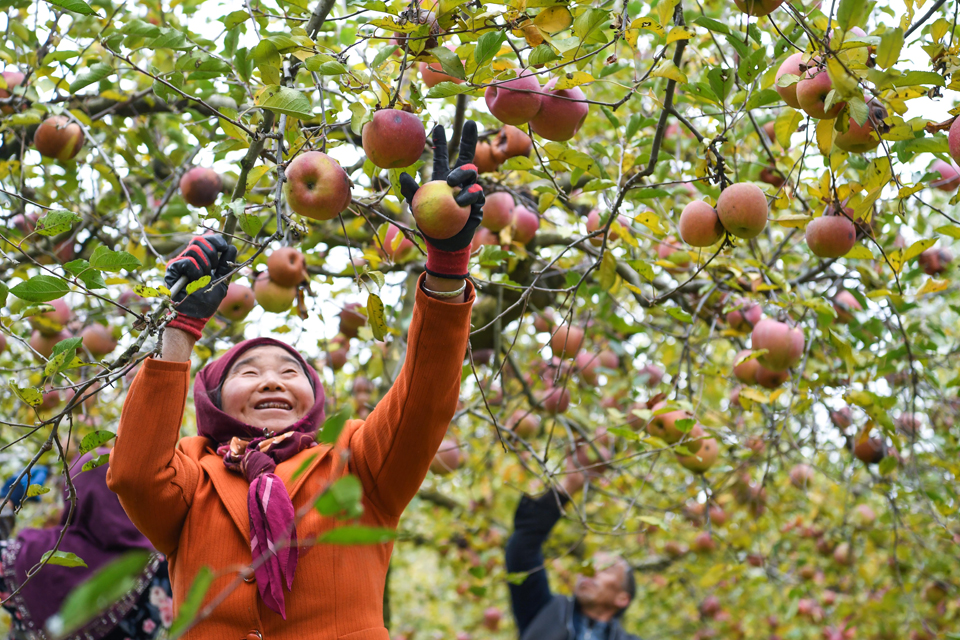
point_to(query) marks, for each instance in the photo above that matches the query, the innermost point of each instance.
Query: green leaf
(487, 47)
(198, 284)
(29, 395)
(447, 89)
(283, 100)
(712, 25)
(140, 29)
(95, 73)
(332, 68)
(608, 271)
(887, 465)
(888, 53)
(492, 255)
(41, 289)
(56, 362)
(70, 344)
(303, 467)
(250, 223)
(105, 259)
(357, 535)
(234, 18)
(191, 605)
(37, 490)
(850, 12)
(679, 314)
(56, 222)
(99, 461)
(359, 117)
(542, 54)
(589, 20)
(342, 497)
(449, 62)
(63, 559)
(171, 39)
(77, 6)
(376, 316)
(107, 585)
(93, 440)
(333, 425)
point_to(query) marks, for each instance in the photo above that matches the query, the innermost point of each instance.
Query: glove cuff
(453, 265)
(193, 326)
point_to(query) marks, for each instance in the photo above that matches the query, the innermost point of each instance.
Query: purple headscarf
(99, 532)
(256, 454)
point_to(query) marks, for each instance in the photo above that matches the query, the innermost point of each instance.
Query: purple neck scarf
(256, 454)
(99, 532)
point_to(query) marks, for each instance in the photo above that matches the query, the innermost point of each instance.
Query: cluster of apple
(741, 211)
(510, 142)
(53, 326)
(783, 343)
(552, 114)
(501, 211)
(351, 319)
(56, 137)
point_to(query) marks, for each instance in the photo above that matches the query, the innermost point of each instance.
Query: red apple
(845, 304)
(497, 211)
(44, 344)
(351, 319)
(316, 187)
(812, 93)
(524, 424)
(566, 341)
(555, 400)
(757, 8)
(703, 543)
(432, 74)
(510, 106)
(561, 113)
(784, 344)
(483, 236)
(860, 139)
(58, 138)
(98, 340)
(271, 296)
(200, 186)
(238, 302)
(393, 139)
(51, 323)
(745, 370)
(831, 235)
(448, 457)
(949, 176)
(491, 618)
(744, 316)
(484, 159)
(801, 475)
(510, 142)
(12, 79)
(700, 225)
(651, 375)
(287, 267)
(935, 262)
(792, 66)
(402, 250)
(525, 224)
(594, 223)
(437, 213)
(742, 208)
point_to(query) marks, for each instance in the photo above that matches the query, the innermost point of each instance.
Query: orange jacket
(183, 498)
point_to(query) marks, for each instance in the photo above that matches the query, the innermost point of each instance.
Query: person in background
(595, 609)
(98, 532)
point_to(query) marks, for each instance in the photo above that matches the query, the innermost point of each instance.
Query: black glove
(208, 255)
(463, 175)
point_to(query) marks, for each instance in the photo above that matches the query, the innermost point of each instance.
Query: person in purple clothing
(98, 532)
(595, 609)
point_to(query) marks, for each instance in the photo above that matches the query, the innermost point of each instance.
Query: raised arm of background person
(532, 524)
(153, 479)
(393, 448)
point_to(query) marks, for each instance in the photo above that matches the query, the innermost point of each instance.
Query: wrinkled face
(267, 388)
(605, 587)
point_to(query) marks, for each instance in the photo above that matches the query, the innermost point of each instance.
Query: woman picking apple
(228, 498)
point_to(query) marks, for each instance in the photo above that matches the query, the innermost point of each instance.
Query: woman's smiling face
(267, 388)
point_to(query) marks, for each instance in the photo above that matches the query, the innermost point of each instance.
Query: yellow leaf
(825, 135)
(797, 221)
(844, 83)
(917, 248)
(753, 394)
(877, 175)
(909, 191)
(932, 286)
(895, 258)
(376, 317)
(651, 221)
(665, 10)
(648, 24)
(786, 125)
(859, 252)
(255, 174)
(575, 79)
(679, 33)
(670, 71)
(553, 19)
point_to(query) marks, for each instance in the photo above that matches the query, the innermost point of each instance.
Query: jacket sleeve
(393, 449)
(154, 480)
(532, 524)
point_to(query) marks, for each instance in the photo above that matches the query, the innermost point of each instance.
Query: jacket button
(250, 578)
(254, 635)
